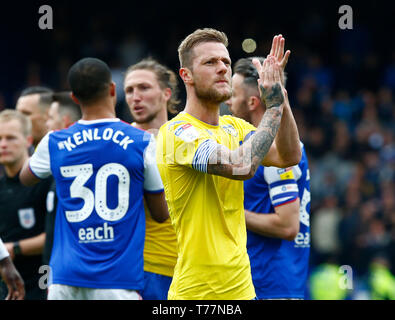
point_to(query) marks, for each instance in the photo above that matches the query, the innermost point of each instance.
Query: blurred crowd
(349, 134)
(341, 87)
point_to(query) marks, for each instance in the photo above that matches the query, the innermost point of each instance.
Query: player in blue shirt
(276, 201)
(103, 168)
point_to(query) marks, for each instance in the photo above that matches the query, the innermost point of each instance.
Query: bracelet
(17, 249)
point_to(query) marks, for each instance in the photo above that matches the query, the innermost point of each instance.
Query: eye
(129, 90)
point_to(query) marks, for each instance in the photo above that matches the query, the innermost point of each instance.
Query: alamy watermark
(46, 20)
(46, 278)
(346, 280)
(346, 20)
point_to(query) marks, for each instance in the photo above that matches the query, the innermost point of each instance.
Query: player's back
(99, 171)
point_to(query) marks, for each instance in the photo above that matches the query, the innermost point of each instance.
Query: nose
(222, 67)
(229, 102)
(2, 143)
(136, 96)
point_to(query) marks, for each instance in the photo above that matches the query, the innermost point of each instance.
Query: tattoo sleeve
(272, 98)
(242, 163)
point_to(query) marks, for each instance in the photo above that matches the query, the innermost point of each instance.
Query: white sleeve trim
(152, 179)
(3, 251)
(40, 161)
(202, 155)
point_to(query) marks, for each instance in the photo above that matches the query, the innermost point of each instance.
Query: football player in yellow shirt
(151, 92)
(203, 159)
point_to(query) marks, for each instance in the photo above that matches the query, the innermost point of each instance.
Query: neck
(256, 118)
(103, 110)
(12, 170)
(203, 110)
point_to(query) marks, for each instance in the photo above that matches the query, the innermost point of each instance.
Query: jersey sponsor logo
(27, 218)
(187, 133)
(286, 173)
(87, 135)
(99, 234)
(302, 240)
(230, 129)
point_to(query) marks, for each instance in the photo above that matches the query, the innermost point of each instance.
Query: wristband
(17, 249)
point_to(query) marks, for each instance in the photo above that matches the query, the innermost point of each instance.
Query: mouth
(138, 109)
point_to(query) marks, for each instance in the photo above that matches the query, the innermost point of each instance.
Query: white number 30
(97, 200)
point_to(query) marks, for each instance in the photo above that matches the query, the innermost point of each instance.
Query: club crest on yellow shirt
(187, 132)
(230, 129)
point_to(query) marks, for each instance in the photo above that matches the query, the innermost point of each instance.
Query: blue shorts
(156, 286)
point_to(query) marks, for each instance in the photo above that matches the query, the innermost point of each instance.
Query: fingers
(16, 290)
(257, 65)
(274, 46)
(284, 61)
(269, 74)
(277, 50)
(277, 73)
(265, 72)
(16, 294)
(21, 290)
(280, 50)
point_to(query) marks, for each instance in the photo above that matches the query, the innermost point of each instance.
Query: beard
(212, 95)
(144, 119)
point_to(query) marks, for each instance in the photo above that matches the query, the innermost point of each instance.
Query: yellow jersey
(206, 210)
(160, 247)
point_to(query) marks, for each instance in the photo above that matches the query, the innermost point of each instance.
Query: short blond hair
(26, 124)
(185, 49)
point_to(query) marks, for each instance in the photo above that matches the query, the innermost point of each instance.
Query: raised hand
(269, 82)
(277, 51)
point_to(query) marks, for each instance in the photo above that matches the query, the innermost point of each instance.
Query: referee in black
(22, 209)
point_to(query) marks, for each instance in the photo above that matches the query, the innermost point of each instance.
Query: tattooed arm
(285, 150)
(242, 163)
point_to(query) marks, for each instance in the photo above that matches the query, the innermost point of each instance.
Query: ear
(112, 89)
(75, 99)
(253, 103)
(29, 140)
(186, 75)
(66, 121)
(167, 94)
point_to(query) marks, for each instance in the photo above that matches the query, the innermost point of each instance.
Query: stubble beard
(211, 95)
(146, 119)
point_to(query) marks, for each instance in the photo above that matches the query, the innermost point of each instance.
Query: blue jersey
(279, 267)
(102, 169)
